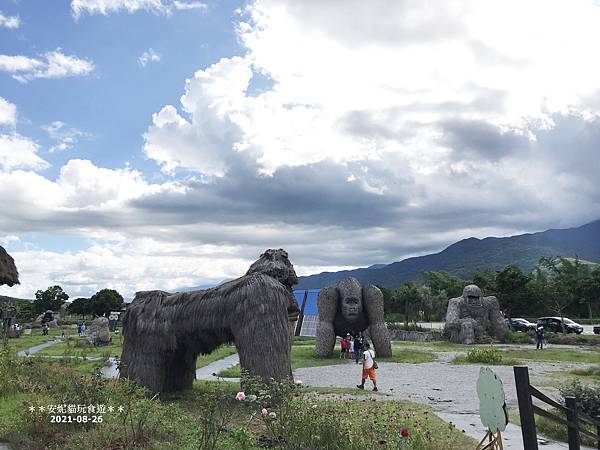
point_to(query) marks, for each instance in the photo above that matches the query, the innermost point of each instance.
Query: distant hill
(472, 254)
(4, 298)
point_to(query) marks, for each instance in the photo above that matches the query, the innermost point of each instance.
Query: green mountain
(470, 255)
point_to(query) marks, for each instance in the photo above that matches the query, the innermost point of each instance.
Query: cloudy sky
(162, 143)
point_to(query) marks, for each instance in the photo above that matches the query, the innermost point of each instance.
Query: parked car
(554, 324)
(596, 329)
(518, 324)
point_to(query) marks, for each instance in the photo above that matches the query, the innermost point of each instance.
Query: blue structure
(310, 308)
(307, 302)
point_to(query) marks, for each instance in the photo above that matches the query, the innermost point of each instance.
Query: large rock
(98, 332)
(49, 318)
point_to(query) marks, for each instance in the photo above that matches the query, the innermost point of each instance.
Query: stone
(351, 308)
(98, 332)
(466, 317)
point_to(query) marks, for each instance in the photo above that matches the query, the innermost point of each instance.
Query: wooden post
(525, 408)
(573, 433)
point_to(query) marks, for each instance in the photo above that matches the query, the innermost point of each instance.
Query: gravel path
(450, 389)
(39, 347)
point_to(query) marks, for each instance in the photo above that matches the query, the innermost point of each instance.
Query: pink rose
(240, 396)
(264, 412)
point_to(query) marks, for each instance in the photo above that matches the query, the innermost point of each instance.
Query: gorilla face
(350, 295)
(351, 308)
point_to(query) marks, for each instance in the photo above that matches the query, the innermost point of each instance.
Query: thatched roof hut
(8, 270)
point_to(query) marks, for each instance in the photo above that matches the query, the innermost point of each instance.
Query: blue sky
(116, 102)
(157, 144)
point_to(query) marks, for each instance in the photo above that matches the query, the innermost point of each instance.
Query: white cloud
(64, 136)
(355, 82)
(9, 21)
(56, 65)
(18, 152)
(148, 56)
(214, 102)
(105, 7)
(190, 5)
(8, 113)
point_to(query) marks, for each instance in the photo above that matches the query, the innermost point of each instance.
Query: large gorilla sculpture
(350, 308)
(164, 333)
(466, 316)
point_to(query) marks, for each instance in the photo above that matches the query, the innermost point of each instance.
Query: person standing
(351, 346)
(343, 348)
(358, 344)
(368, 367)
(539, 336)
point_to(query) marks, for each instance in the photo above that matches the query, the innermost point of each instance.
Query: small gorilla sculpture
(350, 308)
(164, 333)
(466, 316)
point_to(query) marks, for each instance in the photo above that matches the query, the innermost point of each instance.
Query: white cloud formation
(390, 84)
(105, 7)
(56, 65)
(18, 152)
(9, 21)
(189, 5)
(148, 56)
(64, 136)
(214, 101)
(8, 113)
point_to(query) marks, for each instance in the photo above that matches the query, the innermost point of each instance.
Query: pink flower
(272, 415)
(264, 412)
(240, 396)
(404, 432)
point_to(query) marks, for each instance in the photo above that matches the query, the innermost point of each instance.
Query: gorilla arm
(373, 305)
(498, 323)
(327, 305)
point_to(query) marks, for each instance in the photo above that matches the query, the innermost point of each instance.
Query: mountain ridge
(468, 255)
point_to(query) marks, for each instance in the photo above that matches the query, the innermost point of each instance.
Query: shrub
(489, 355)
(516, 337)
(587, 397)
(411, 327)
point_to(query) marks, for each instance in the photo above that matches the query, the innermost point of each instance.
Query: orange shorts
(368, 373)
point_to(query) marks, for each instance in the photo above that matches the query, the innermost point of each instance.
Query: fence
(575, 420)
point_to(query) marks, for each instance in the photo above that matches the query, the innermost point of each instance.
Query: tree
(565, 278)
(387, 299)
(408, 294)
(591, 287)
(443, 281)
(512, 292)
(486, 280)
(80, 306)
(105, 301)
(50, 299)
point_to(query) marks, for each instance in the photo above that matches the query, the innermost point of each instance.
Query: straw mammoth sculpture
(164, 333)
(349, 307)
(8, 270)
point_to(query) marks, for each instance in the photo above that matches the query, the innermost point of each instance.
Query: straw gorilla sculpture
(350, 308)
(164, 333)
(466, 316)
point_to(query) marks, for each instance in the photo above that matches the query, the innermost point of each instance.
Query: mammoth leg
(262, 338)
(327, 303)
(373, 303)
(180, 372)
